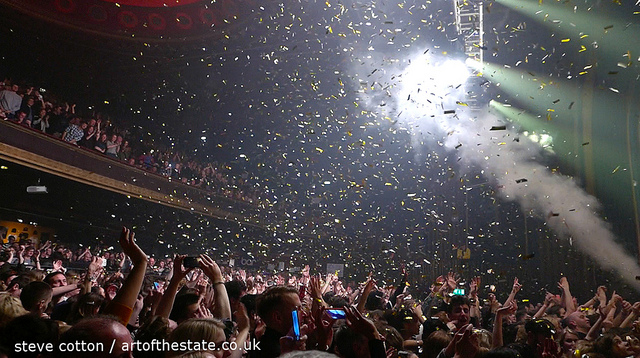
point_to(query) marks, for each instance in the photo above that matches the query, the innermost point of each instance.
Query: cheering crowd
(124, 303)
(28, 107)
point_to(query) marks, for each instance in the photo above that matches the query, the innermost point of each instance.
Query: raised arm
(94, 270)
(548, 302)
(365, 294)
(222, 309)
(514, 289)
(505, 310)
(569, 306)
(122, 304)
(474, 309)
(635, 312)
(594, 331)
(169, 295)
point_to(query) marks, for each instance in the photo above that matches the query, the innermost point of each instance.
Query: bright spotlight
(438, 76)
(452, 73)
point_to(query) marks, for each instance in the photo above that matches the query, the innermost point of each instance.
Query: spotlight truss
(470, 25)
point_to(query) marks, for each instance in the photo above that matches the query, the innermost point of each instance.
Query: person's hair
(308, 354)
(433, 324)
(33, 293)
(235, 289)
(374, 301)
(457, 300)
(555, 311)
(198, 354)
(584, 346)
(502, 352)
(337, 301)
(89, 330)
(485, 338)
(604, 344)
(10, 308)
(155, 328)
(4, 256)
(520, 314)
(30, 328)
(391, 335)
(397, 318)
(84, 306)
(249, 301)
(22, 281)
(179, 311)
(197, 329)
(51, 275)
(344, 338)
(434, 343)
(272, 299)
(36, 275)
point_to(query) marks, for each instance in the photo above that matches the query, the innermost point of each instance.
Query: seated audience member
(21, 118)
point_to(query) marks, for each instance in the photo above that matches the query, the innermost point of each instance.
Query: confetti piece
(498, 128)
(523, 180)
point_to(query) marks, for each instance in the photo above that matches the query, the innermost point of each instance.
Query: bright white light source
(452, 73)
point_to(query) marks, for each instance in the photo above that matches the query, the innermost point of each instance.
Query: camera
(191, 262)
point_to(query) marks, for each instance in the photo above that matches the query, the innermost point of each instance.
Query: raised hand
(179, 272)
(211, 269)
(57, 265)
(242, 318)
(516, 286)
(452, 282)
(508, 309)
(360, 324)
(563, 284)
(474, 285)
(95, 266)
(130, 248)
(548, 298)
(467, 345)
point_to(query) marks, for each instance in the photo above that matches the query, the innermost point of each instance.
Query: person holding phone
(275, 307)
